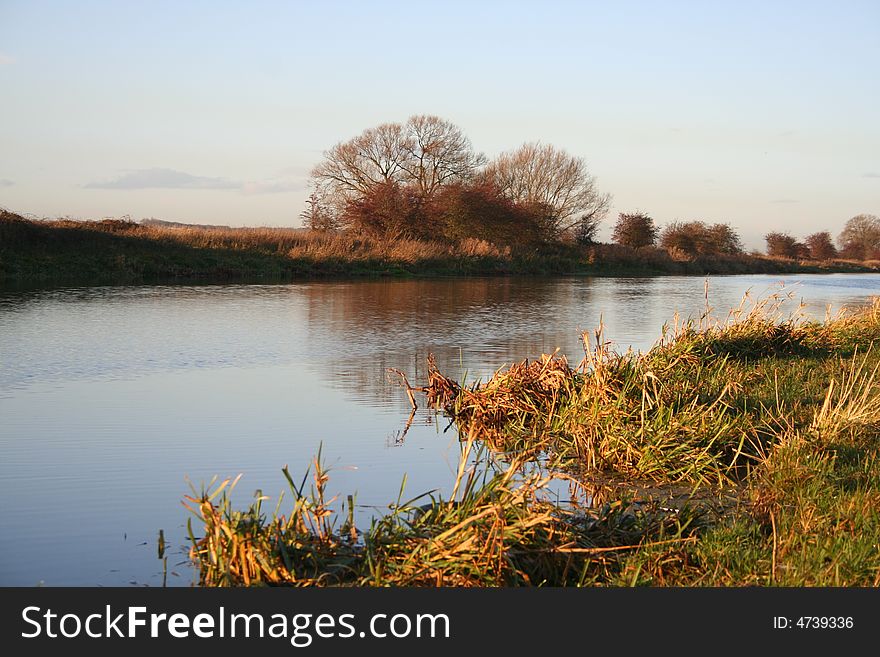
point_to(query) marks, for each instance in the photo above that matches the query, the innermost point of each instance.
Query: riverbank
(115, 251)
(733, 453)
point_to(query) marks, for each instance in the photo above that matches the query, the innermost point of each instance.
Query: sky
(763, 115)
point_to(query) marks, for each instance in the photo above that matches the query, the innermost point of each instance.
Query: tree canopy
(424, 153)
(860, 237)
(635, 230)
(422, 178)
(553, 183)
(695, 238)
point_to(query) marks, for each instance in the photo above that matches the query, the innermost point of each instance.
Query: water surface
(113, 398)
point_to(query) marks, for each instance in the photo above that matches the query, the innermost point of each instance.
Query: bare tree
(354, 167)
(438, 153)
(860, 237)
(549, 180)
(425, 153)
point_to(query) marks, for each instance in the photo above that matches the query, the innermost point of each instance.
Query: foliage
(388, 210)
(408, 172)
(783, 245)
(635, 230)
(820, 246)
(480, 211)
(696, 238)
(318, 215)
(123, 251)
(860, 238)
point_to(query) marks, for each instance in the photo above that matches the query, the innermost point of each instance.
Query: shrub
(634, 230)
(388, 210)
(783, 245)
(480, 211)
(696, 238)
(820, 246)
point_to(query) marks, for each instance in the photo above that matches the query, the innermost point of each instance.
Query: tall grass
(692, 409)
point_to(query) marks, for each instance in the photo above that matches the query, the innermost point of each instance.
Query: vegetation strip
(120, 251)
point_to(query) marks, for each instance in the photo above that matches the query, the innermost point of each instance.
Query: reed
(497, 529)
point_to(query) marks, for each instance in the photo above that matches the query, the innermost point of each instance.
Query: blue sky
(763, 115)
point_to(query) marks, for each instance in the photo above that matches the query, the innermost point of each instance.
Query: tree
(782, 245)
(860, 237)
(682, 236)
(634, 230)
(353, 168)
(722, 239)
(695, 238)
(585, 230)
(438, 153)
(425, 153)
(317, 215)
(820, 246)
(551, 183)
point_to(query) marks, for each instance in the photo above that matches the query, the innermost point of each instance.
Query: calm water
(113, 398)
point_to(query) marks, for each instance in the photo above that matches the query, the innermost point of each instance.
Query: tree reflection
(472, 326)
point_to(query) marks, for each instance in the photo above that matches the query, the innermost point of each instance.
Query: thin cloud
(6, 183)
(785, 200)
(163, 179)
(871, 174)
(5, 59)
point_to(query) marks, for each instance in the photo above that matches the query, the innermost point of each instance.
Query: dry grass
(288, 242)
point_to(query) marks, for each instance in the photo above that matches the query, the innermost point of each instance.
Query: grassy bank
(742, 452)
(121, 251)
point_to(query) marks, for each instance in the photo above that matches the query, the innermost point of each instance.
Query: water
(112, 399)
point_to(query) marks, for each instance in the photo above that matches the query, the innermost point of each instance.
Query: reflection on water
(477, 326)
(111, 396)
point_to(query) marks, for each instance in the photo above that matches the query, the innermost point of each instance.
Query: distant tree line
(422, 179)
(859, 240)
(691, 238)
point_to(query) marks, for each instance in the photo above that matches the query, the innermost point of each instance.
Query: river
(113, 398)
